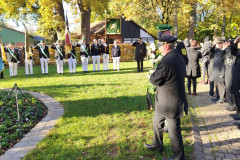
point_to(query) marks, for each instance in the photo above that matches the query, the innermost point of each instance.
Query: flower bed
(31, 112)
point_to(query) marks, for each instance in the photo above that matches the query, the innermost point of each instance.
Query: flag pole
(105, 27)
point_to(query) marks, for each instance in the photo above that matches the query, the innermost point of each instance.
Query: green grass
(105, 114)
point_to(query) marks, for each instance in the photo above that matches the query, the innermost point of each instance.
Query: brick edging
(36, 134)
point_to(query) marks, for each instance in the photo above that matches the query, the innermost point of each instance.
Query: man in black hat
(43, 56)
(170, 100)
(180, 47)
(141, 52)
(218, 71)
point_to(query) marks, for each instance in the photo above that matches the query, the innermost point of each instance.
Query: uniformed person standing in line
(229, 61)
(84, 52)
(1, 75)
(28, 63)
(105, 54)
(235, 88)
(72, 59)
(141, 52)
(116, 54)
(14, 59)
(43, 56)
(170, 100)
(96, 54)
(218, 71)
(59, 56)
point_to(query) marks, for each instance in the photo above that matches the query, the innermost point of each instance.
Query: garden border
(31, 139)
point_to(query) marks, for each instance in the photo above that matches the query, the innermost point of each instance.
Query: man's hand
(237, 40)
(221, 76)
(225, 45)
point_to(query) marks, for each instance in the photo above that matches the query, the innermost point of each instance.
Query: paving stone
(230, 156)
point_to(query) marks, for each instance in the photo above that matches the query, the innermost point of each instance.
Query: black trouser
(138, 65)
(194, 81)
(237, 100)
(220, 90)
(211, 89)
(229, 96)
(174, 131)
(1, 75)
(204, 68)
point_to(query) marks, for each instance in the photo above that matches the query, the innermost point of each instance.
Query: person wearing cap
(205, 59)
(84, 52)
(59, 56)
(43, 56)
(229, 62)
(28, 63)
(13, 60)
(96, 54)
(235, 88)
(193, 67)
(116, 54)
(140, 53)
(105, 54)
(180, 47)
(72, 59)
(170, 100)
(218, 70)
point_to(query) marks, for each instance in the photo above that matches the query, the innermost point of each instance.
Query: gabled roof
(99, 27)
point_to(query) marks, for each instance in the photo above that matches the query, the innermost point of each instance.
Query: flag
(1, 65)
(68, 43)
(4, 58)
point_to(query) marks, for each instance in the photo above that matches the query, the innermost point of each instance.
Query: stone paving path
(55, 110)
(215, 136)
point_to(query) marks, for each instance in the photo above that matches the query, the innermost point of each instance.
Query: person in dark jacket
(59, 56)
(43, 56)
(205, 59)
(141, 52)
(193, 67)
(105, 54)
(218, 71)
(96, 54)
(235, 88)
(85, 54)
(116, 54)
(14, 59)
(170, 100)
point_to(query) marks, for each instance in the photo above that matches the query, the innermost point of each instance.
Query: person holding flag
(13, 60)
(43, 56)
(59, 56)
(84, 52)
(28, 61)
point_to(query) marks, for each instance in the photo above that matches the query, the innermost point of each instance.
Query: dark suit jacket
(193, 67)
(88, 50)
(169, 78)
(61, 49)
(116, 52)
(141, 51)
(95, 50)
(235, 70)
(15, 52)
(73, 51)
(40, 52)
(103, 49)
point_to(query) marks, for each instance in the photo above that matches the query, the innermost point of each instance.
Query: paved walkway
(55, 110)
(215, 136)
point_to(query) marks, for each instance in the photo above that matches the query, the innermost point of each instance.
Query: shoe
(210, 94)
(220, 101)
(194, 94)
(202, 82)
(236, 118)
(231, 108)
(189, 93)
(215, 99)
(151, 147)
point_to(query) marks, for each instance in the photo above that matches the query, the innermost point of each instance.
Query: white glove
(18, 61)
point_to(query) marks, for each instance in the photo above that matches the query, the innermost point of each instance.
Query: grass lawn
(105, 114)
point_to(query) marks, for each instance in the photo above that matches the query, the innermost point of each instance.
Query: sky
(33, 28)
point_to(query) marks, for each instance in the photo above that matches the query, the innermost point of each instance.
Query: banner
(1, 65)
(68, 43)
(4, 57)
(113, 26)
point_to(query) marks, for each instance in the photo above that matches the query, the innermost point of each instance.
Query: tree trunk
(85, 24)
(193, 17)
(60, 12)
(229, 29)
(175, 23)
(224, 26)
